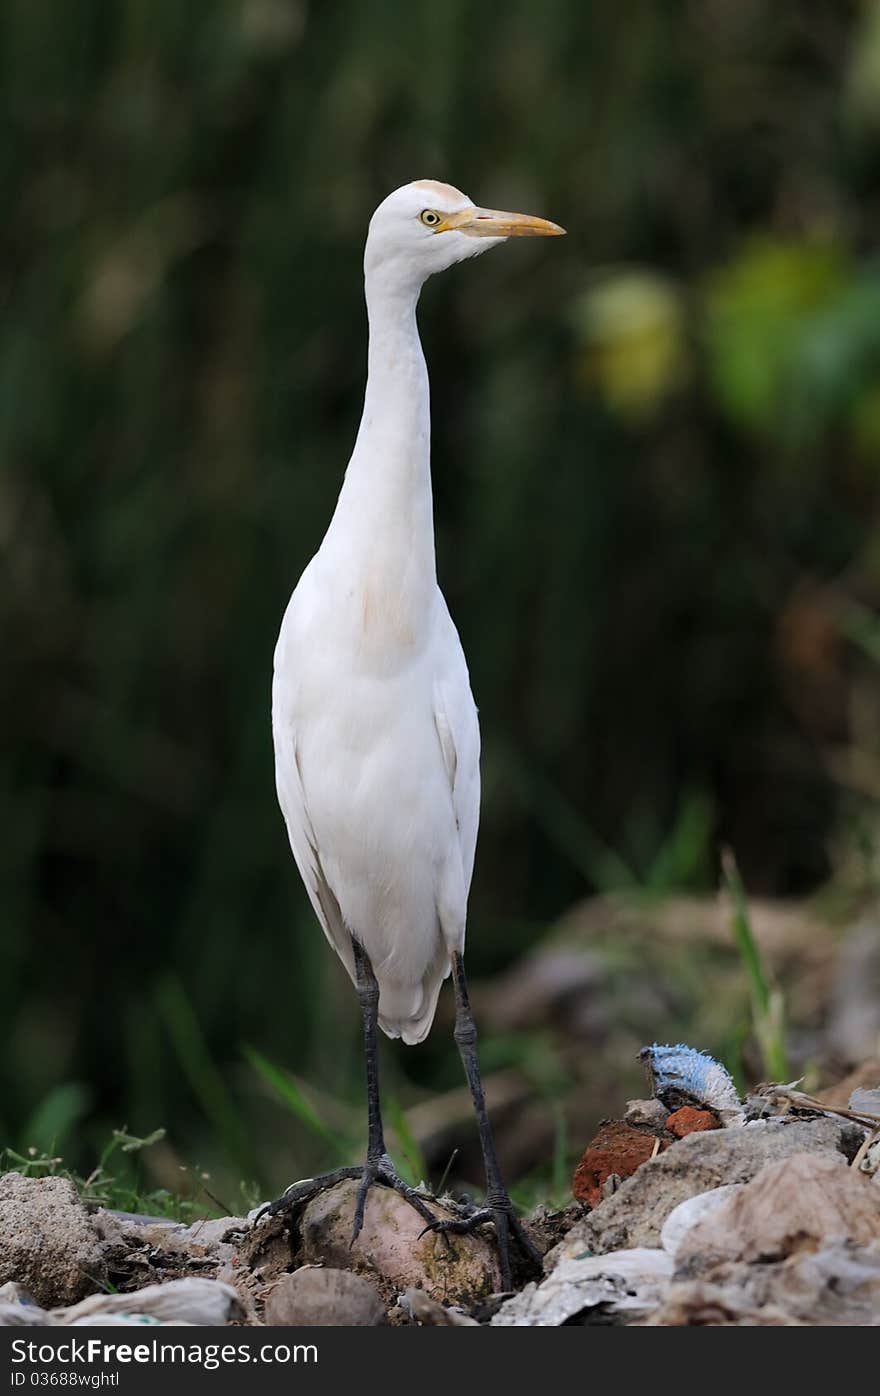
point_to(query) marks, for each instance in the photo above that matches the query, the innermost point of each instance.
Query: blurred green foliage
(656, 482)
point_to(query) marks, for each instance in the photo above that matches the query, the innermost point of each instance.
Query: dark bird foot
(508, 1228)
(376, 1170)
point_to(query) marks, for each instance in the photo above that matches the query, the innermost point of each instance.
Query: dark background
(656, 450)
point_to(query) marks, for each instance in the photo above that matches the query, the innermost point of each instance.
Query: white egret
(375, 728)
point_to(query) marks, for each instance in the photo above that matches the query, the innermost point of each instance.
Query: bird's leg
(497, 1207)
(378, 1167)
(368, 997)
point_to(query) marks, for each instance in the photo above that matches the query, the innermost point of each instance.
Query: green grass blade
(286, 1087)
(198, 1067)
(412, 1160)
(63, 1107)
(768, 1005)
(742, 931)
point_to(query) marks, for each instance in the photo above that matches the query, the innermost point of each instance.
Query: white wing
(303, 843)
(458, 728)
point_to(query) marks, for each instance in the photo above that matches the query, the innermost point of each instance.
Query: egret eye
(429, 218)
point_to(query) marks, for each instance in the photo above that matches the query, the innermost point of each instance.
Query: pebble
(319, 1297)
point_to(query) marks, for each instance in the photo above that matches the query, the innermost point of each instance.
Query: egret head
(426, 227)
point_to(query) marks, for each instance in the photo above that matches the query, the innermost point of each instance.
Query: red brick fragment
(617, 1148)
(689, 1120)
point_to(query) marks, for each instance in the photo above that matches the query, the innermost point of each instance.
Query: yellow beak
(490, 223)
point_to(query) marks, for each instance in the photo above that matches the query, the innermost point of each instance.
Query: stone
(793, 1205)
(12, 1293)
(649, 1114)
(687, 1214)
(203, 1302)
(319, 1297)
(47, 1241)
(836, 1286)
(870, 1159)
(18, 1309)
(430, 1314)
(548, 1227)
(624, 1287)
(391, 1251)
(266, 1251)
(616, 1151)
(215, 1236)
(206, 1244)
(634, 1216)
(689, 1120)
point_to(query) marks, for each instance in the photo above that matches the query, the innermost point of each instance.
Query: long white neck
(384, 517)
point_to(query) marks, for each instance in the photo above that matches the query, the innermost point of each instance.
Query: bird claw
(376, 1170)
(301, 1192)
(382, 1170)
(460, 1226)
(507, 1228)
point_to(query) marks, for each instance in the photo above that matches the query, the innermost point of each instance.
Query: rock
(635, 1214)
(866, 1101)
(649, 1114)
(837, 1286)
(624, 1286)
(548, 1227)
(316, 1297)
(430, 1314)
(18, 1309)
(129, 1219)
(869, 1162)
(47, 1240)
(799, 1244)
(266, 1250)
(141, 1250)
(133, 1242)
(215, 1236)
(12, 1293)
(391, 1249)
(689, 1120)
(616, 1151)
(191, 1301)
(23, 1316)
(793, 1205)
(687, 1214)
(197, 1301)
(211, 1236)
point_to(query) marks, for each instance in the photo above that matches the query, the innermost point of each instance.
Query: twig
(811, 1102)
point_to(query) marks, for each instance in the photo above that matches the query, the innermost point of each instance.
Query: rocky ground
(687, 1210)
